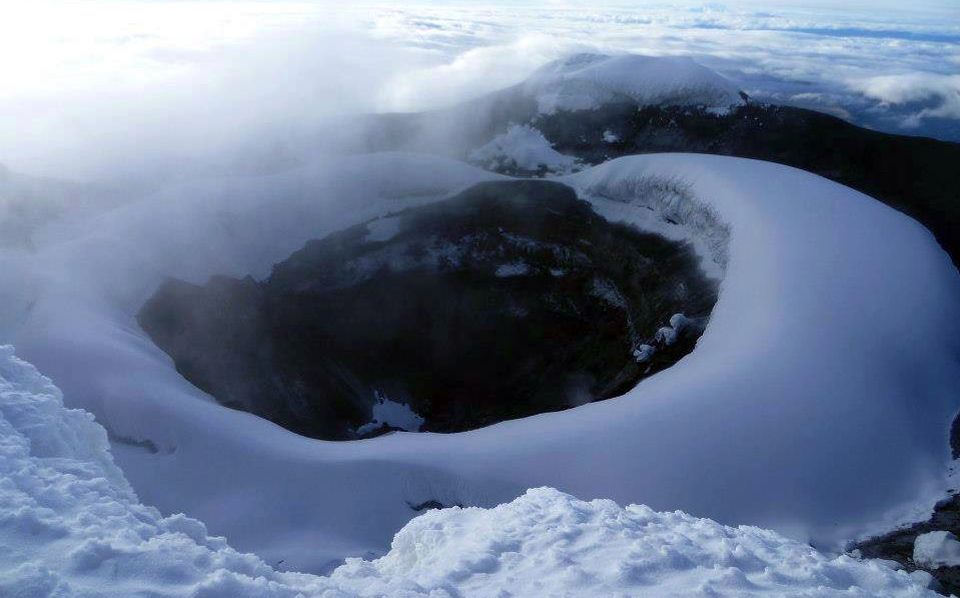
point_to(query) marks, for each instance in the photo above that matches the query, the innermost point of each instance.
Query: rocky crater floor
(509, 299)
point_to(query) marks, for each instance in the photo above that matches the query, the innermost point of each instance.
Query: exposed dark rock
(431, 504)
(510, 299)
(898, 545)
(955, 438)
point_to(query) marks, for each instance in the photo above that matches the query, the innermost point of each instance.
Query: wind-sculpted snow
(71, 526)
(588, 81)
(817, 402)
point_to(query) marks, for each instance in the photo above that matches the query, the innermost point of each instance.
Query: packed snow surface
(817, 402)
(588, 81)
(391, 413)
(523, 148)
(936, 549)
(71, 526)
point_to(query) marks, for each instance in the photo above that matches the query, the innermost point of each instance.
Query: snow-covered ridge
(817, 402)
(71, 526)
(587, 81)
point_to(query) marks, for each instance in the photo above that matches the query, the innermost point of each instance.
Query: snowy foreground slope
(71, 526)
(817, 402)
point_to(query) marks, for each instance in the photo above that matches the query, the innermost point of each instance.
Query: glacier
(817, 403)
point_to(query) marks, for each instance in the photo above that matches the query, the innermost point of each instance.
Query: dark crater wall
(510, 299)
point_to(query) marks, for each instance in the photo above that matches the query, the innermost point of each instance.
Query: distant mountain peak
(588, 81)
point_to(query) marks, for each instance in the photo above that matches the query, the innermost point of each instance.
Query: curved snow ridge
(71, 526)
(588, 81)
(817, 402)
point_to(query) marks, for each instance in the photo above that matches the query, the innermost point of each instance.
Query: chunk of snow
(643, 353)
(588, 81)
(936, 549)
(679, 322)
(71, 526)
(523, 147)
(610, 137)
(924, 579)
(666, 335)
(393, 414)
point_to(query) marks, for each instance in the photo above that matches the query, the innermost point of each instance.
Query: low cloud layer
(939, 95)
(830, 56)
(116, 88)
(110, 89)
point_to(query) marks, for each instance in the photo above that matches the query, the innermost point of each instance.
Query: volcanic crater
(509, 299)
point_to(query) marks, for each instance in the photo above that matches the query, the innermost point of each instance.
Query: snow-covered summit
(587, 81)
(71, 526)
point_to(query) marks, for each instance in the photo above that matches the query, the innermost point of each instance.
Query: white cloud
(111, 87)
(942, 91)
(777, 50)
(89, 86)
(472, 73)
